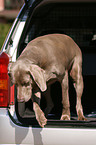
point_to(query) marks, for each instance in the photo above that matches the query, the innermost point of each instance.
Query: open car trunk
(78, 21)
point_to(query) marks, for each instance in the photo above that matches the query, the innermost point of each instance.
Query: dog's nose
(20, 99)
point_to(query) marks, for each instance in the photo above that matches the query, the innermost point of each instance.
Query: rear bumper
(11, 133)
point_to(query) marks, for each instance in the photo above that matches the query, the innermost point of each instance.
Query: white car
(18, 125)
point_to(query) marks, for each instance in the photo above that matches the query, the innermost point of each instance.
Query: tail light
(4, 82)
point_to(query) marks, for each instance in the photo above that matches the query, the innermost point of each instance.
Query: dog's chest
(54, 73)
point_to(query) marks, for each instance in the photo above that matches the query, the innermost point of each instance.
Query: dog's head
(25, 77)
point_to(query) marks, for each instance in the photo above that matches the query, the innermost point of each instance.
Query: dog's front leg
(65, 98)
(38, 112)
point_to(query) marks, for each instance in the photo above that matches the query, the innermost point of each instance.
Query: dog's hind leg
(76, 74)
(65, 98)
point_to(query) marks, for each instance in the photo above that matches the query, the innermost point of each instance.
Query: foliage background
(4, 28)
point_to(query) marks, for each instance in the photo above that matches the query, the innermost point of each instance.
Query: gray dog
(47, 59)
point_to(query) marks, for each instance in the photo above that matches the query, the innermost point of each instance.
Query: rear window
(78, 21)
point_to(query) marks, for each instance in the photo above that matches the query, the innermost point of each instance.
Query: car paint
(10, 133)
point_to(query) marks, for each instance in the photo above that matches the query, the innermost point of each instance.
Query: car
(36, 18)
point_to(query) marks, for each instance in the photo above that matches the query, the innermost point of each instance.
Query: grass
(4, 28)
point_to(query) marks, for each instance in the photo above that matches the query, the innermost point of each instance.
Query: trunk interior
(78, 21)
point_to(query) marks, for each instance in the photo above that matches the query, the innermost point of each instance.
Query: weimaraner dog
(47, 59)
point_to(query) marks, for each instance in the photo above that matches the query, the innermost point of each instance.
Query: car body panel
(11, 133)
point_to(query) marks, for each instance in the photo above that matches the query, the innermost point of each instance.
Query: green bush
(4, 28)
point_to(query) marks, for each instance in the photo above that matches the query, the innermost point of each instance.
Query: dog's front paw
(65, 117)
(41, 118)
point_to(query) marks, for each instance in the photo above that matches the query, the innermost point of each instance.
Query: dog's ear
(38, 76)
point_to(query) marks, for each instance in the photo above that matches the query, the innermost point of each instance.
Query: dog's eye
(26, 84)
